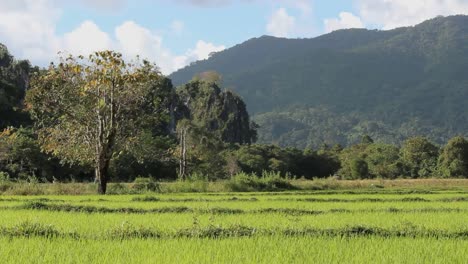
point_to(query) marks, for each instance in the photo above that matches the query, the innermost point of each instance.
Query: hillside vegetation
(336, 87)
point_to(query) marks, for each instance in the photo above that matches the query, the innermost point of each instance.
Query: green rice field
(297, 227)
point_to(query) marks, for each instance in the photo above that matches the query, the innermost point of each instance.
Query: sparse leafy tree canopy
(88, 109)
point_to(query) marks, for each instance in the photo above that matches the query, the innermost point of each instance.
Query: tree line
(100, 118)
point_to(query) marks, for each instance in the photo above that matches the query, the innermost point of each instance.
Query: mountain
(336, 87)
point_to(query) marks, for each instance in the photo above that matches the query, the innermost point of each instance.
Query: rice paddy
(289, 227)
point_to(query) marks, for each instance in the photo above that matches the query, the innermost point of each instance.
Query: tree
(88, 109)
(382, 160)
(14, 80)
(366, 139)
(453, 161)
(20, 155)
(359, 169)
(199, 151)
(419, 156)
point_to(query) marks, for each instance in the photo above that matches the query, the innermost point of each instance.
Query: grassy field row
(326, 185)
(348, 226)
(91, 224)
(275, 249)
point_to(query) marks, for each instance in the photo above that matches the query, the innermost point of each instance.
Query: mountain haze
(336, 87)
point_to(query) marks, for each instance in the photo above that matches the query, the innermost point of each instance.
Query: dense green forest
(334, 88)
(108, 120)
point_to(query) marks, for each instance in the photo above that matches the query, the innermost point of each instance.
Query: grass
(241, 183)
(371, 225)
(276, 249)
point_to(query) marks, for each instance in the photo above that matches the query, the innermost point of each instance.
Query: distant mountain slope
(411, 80)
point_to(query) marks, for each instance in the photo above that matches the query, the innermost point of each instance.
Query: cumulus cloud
(28, 28)
(133, 39)
(203, 50)
(281, 24)
(78, 40)
(345, 20)
(389, 14)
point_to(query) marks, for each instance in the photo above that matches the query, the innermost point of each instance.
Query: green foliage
(21, 158)
(370, 160)
(145, 185)
(258, 158)
(221, 113)
(269, 181)
(128, 231)
(14, 79)
(31, 229)
(419, 156)
(359, 169)
(453, 161)
(391, 85)
(4, 177)
(86, 111)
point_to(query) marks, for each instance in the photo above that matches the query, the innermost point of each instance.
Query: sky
(174, 33)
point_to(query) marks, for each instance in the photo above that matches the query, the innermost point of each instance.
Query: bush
(145, 185)
(269, 181)
(119, 188)
(29, 229)
(128, 231)
(4, 177)
(25, 189)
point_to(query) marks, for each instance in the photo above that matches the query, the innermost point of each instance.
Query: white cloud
(28, 28)
(133, 39)
(78, 40)
(389, 14)
(281, 24)
(345, 20)
(203, 50)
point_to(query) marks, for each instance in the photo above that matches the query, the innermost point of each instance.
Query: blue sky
(227, 24)
(174, 33)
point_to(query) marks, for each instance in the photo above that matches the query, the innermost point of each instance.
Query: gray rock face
(220, 112)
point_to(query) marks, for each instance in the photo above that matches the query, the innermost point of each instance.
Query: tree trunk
(102, 169)
(183, 154)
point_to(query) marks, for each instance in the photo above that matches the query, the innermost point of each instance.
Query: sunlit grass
(292, 227)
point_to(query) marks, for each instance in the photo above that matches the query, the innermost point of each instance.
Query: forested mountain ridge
(336, 87)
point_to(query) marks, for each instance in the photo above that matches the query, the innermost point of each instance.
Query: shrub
(24, 188)
(4, 177)
(29, 229)
(269, 181)
(145, 185)
(118, 188)
(128, 231)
